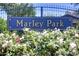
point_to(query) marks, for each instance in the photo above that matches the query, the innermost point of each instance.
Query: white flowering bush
(36, 43)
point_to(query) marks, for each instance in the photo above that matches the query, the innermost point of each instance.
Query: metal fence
(52, 11)
(43, 11)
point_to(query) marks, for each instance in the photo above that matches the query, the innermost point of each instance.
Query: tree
(13, 9)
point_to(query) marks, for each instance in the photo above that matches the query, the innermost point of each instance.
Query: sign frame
(67, 19)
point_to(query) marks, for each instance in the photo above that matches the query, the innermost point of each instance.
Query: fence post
(41, 11)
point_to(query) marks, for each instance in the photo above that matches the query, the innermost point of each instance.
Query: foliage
(45, 43)
(3, 25)
(19, 9)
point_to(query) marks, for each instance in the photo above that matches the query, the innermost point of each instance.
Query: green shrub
(46, 43)
(3, 25)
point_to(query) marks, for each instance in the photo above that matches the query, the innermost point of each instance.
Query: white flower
(10, 41)
(72, 45)
(44, 33)
(14, 34)
(65, 32)
(37, 33)
(1, 34)
(22, 38)
(8, 54)
(24, 45)
(39, 36)
(4, 45)
(26, 29)
(55, 28)
(58, 30)
(18, 45)
(61, 40)
(55, 45)
(7, 42)
(74, 50)
(76, 35)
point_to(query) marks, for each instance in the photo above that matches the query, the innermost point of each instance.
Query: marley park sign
(18, 23)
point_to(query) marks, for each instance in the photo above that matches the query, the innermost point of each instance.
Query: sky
(51, 9)
(3, 14)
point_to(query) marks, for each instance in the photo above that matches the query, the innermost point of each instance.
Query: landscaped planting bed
(45, 43)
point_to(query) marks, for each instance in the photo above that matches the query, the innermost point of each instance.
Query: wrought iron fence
(40, 11)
